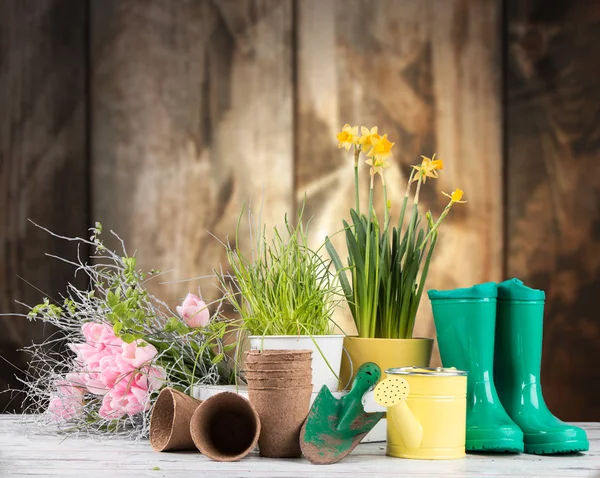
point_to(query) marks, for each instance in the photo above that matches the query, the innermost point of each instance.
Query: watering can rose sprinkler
(426, 412)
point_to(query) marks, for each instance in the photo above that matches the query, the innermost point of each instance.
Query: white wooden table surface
(26, 454)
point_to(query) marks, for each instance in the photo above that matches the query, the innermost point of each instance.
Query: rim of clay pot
(212, 404)
(252, 374)
(280, 366)
(412, 340)
(278, 355)
(279, 382)
(280, 389)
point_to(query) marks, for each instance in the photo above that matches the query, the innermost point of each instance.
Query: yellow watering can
(426, 412)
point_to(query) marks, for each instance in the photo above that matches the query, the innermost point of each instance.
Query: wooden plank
(43, 165)
(192, 115)
(23, 454)
(428, 73)
(554, 188)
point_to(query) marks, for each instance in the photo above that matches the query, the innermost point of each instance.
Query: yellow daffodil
(377, 165)
(382, 147)
(366, 140)
(347, 137)
(456, 196)
(428, 169)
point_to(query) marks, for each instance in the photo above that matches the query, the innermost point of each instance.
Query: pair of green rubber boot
(494, 331)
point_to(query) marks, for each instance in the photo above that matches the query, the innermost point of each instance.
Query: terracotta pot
(225, 427)
(278, 366)
(294, 382)
(278, 355)
(282, 413)
(170, 421)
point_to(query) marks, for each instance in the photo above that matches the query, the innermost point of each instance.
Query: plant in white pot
(285, 294)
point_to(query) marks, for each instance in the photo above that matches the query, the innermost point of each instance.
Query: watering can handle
(406, 424)
(391, 393)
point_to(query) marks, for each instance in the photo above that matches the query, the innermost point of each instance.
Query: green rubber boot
(465, 321)
(518, 358)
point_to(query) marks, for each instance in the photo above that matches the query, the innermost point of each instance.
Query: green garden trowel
(334, 426)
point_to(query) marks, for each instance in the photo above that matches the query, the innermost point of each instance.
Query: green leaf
(117, 327)
(218, 358)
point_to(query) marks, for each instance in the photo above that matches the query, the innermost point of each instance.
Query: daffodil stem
(366, 313)
(386, 212)
(356, 193)
(436, 225)
(405, 200)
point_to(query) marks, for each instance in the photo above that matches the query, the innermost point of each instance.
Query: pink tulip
(65, 407)
(108, 409)
(138, 353)
(194, 311)
(151, 378)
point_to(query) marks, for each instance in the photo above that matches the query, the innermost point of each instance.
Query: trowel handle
(366, 377)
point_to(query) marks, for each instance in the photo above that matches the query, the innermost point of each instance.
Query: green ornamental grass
(284, 287)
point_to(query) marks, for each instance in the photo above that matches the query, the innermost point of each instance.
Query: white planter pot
(330, 347)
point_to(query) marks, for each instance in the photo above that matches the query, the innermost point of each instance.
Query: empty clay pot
(225, 427)
(278, 355)
(282, 412)
(170, 421)
(279, 382)
(278, 366)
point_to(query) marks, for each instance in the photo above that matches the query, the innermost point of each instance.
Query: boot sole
(495, 445)
(572, 446)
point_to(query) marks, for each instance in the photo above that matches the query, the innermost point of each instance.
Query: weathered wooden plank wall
(43, 168)
(192, 116)
(198, 106)
(428, 73)
(553, 187)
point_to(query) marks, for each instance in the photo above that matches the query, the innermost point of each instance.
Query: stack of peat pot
(279, 388)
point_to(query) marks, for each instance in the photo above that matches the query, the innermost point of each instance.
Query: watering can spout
(391, 393)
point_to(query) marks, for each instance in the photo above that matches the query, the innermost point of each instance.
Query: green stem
(356, 192)
(367, 312)
(435, 226)
(405, 200)
(385, 201)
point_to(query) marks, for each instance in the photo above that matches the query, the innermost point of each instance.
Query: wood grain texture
(43, 167)
(427, 73)
(554, 188)
(192, 117)
(24, 454)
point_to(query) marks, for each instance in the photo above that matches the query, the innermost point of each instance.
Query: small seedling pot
(226, 427)
(282, 412)
(170, 421)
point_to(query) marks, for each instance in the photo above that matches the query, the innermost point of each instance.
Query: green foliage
(385, 288)
(285, 289)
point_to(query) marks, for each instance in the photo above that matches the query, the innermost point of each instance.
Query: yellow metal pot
(386, 353)
(426, 411)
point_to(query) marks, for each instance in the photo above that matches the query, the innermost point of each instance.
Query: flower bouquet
(126, 345)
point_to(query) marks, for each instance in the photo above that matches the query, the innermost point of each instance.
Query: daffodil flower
(428, 169)
(377, 165)
(382, 147)
(366, 140)
(456, 196)
(347, 137)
